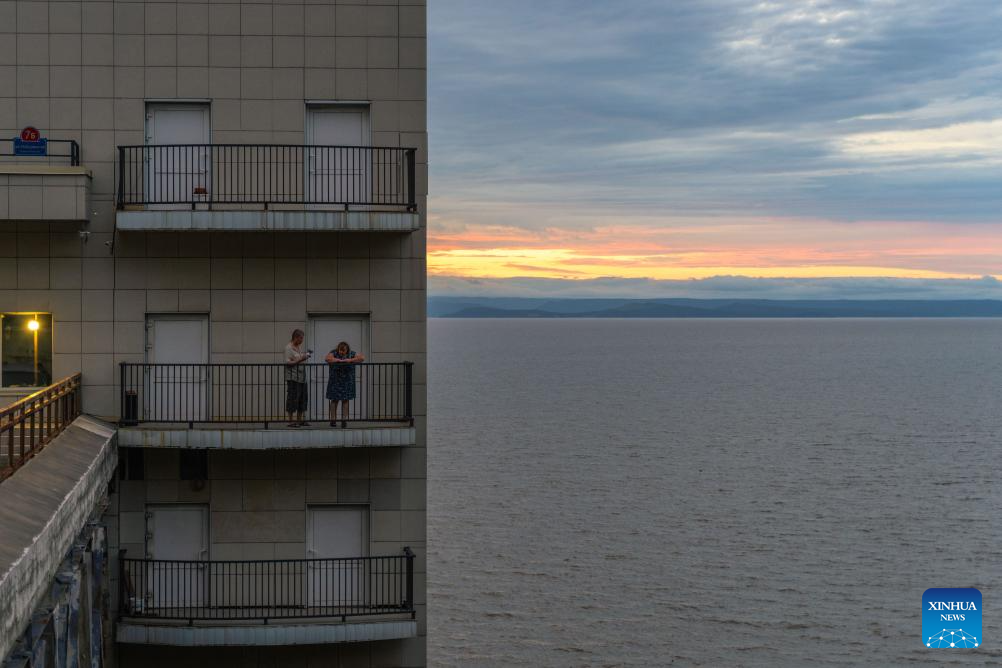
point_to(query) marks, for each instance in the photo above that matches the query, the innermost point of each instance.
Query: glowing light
(33, 325)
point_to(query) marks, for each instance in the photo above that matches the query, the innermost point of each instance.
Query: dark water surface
(705, 492)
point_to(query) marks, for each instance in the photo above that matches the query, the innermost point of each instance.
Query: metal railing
(27, 425)
(260, 393)
(266, 589)
(214, 175)
(68, 149)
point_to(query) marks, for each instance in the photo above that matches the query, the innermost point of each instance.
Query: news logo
(951, 618)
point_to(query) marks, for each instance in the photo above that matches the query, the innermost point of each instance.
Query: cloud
(951, 145)
(706, 117)
(721, 287)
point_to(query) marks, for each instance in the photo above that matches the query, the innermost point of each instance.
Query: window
(25, 349)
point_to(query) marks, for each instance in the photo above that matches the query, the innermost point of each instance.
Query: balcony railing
(221, 175)
(56, 150)
(28, 424)
(260, 393)
(266, 590)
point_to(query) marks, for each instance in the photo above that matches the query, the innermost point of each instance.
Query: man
(295, 378)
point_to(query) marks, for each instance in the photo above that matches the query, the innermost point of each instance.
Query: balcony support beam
(261, 635)
(289, 220)
(214, 437)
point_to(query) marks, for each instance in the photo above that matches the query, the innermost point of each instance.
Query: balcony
(50, 187)
(274, 602)
(244, 187)
(243, 406)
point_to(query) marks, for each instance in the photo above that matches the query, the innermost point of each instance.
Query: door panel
(177, 534)
(177, 392)
(336, 173)
(328, 331)
(181, 172)
(325, 333)
(337, 532)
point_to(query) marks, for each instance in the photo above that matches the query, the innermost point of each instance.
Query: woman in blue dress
(341, 380)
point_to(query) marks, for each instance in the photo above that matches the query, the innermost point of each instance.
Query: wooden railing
(27, 425)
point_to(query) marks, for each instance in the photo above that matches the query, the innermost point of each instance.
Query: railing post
(10, 443)
(64, 404)
(410, 392)
(121, 177)
(409, 585)
(122, 584)
(411, 179)
(121, 391)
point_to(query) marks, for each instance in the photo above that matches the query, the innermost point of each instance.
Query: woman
(341, 380)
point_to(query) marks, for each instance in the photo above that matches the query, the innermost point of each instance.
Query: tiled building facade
(243, 264)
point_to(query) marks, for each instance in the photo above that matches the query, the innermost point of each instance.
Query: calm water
(701, 492)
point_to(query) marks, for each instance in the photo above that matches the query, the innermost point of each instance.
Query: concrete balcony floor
(276, 632)
(277, 437)
(275, 220)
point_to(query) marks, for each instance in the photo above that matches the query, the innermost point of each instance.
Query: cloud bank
(714, 125)
(721, 287)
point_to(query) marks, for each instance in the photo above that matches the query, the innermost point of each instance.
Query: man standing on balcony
(295, 378)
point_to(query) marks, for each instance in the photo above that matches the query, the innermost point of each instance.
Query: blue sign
(22, 147)
(951, 618)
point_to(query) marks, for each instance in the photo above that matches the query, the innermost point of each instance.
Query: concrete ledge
(290, 221)
(22, 168)
(265, 439)
(263, 635)
(44, 194)
(43, 507)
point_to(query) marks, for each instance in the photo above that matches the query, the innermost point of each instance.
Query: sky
(715, 148)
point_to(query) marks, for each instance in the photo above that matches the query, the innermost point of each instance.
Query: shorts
(295, 397)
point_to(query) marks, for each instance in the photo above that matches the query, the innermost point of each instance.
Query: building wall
(257, 510)
(257, 499)
(84, 70)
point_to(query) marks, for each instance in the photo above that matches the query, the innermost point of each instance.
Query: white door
(325, 333)
(176, 536)
(337, 542)
(337, 171)
(178, 171)
(176, 386)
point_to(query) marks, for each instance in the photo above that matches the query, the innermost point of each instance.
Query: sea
(710, 492)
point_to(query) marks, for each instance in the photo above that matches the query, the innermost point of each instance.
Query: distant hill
(514, 307)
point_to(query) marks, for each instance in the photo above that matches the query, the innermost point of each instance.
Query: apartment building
(183, 185)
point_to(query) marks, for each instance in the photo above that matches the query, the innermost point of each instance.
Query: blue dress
(341, 380)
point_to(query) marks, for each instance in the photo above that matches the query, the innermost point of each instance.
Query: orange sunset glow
(758, 249)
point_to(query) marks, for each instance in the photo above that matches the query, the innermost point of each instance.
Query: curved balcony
(48, 186)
